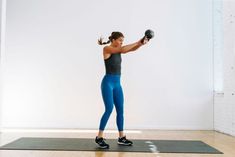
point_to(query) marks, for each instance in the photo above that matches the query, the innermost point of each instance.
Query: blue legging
(112, 95)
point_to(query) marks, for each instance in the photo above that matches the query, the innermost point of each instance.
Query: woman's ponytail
(100, 41)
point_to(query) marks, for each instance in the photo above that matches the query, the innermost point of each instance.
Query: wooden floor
(222, 142)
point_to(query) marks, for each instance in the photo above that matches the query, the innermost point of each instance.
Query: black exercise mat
(83, 144)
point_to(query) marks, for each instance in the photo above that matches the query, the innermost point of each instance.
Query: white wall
(53, 66)
(0, 59)
(2, 46)
(225, 99)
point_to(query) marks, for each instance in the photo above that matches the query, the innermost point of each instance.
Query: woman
(111, 88)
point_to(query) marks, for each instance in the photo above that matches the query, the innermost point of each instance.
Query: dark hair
(114, 35)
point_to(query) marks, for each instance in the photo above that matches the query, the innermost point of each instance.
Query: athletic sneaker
(124, 141)
(101, 142)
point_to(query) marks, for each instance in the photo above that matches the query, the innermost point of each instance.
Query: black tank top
(113, 64)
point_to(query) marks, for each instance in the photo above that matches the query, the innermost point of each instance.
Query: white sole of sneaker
(124, 144)
(104, 147)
